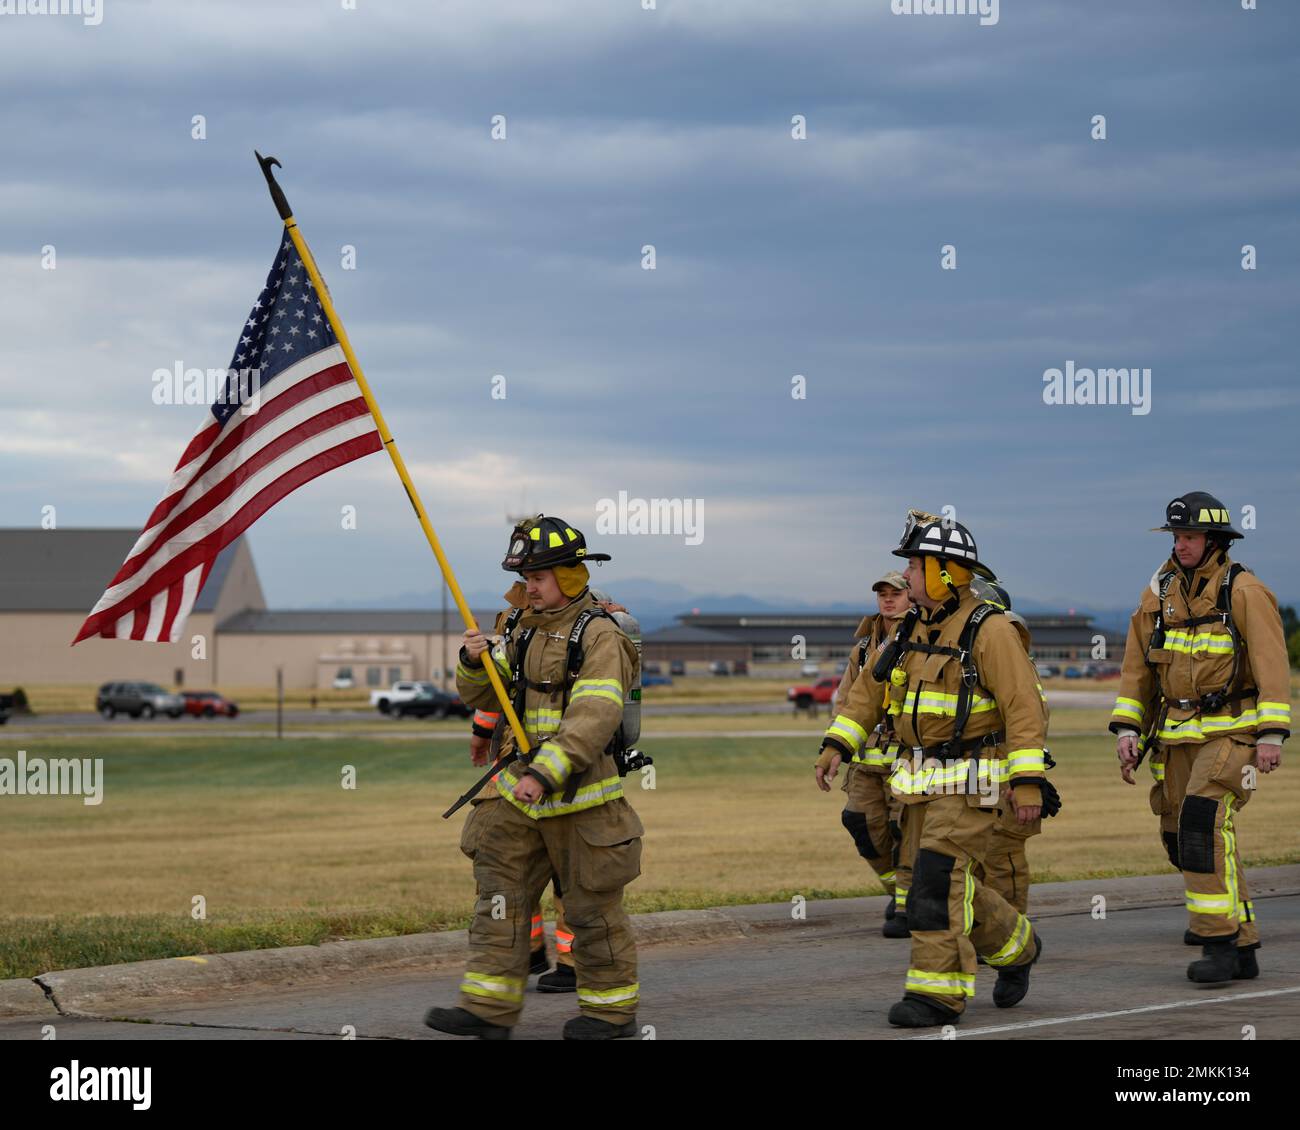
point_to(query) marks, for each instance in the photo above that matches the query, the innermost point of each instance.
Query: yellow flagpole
(390, 445)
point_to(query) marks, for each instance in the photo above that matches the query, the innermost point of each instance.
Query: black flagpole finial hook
(277, 193)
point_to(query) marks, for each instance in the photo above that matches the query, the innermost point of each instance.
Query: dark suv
(429, 702)
(139, 700)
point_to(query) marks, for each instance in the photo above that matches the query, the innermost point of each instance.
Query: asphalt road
(828, 977)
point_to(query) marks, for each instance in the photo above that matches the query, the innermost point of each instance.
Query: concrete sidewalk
(748, 972)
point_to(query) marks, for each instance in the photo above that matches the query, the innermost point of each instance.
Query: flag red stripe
(223, 445)
(207, 548)
(322, 421)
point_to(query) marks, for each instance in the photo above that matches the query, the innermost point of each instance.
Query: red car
(208, 704)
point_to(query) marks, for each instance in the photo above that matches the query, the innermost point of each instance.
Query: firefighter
(1006, 866)
(965, 704)
(867, 814)
(560, 811)
(1205, 688)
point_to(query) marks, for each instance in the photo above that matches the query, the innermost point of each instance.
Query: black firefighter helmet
(943, 538)
(544, 543)
(1198, 512)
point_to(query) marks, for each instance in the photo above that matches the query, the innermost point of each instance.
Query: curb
(95, 991)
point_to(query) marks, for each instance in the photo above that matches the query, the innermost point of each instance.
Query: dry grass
(282, 854)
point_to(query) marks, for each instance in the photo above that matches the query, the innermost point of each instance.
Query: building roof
(350, 622)
(67, 570)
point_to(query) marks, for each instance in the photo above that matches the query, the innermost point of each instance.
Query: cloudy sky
(774, 257)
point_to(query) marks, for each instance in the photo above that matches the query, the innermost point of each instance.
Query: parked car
(740, 667)
(429, 702)
(651, 669)
(6, 704)
(398, 692)
(810, 670)
(208, 704)
(1073, 673)
(677, 667)
(719, 667)
(809, 697)
(343, 683)
(1047, 670)
(656, 681)
(139, 700)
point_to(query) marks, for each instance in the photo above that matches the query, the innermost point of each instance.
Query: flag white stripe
(189, 593)
(157, 610)
(295, 374)
(302, 453)
(287, 421)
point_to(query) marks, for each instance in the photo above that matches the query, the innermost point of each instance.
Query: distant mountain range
(658, 603)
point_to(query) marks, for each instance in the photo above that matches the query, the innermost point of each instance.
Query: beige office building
(50, 580)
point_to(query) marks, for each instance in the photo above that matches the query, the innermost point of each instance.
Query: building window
(344, 673)
(394, 674)
(373, 676)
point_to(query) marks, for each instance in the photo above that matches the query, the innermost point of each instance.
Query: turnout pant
(1204, 786)
(1006, 866)
(515, 857)
(866, 819)
(952, 914)
(563, 935)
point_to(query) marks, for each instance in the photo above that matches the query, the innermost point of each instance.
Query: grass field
(284, 855)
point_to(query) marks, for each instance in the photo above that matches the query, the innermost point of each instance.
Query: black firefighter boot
(1218, 960)
(589, 1028)
(915, 1011)
(1013, 981)
(1247, 967)
(538, 960)
(896, 925)
(562, 979)
(462, 1022)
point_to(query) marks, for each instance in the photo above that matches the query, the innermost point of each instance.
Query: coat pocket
(608, 846)
(472, 830)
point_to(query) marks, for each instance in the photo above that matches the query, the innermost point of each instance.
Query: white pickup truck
(398, 692)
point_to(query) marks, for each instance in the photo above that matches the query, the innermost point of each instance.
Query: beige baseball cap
(894, 579)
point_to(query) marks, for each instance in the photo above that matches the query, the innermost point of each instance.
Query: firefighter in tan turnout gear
(965, 703)
(867, 814)
(559, 812)
(1205, 690)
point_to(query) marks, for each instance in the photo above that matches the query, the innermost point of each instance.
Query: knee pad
(927, 902)
(856, 824)
(1171, 847)
(1196, 834)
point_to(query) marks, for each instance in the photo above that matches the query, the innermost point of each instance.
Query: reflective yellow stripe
(873, 757)
(503, 664)
(620, 997)
(1026, 761)
(598, 692)
(946, 984)
(847, 731)
(968, 901)
(887, 876)
(543, 718)
(1184, 641)
(944, 704)
(1195, 729)
(554, 762)
(554, 804)
(476, 676)
(1275, 712)
(1014, 945)
(613, 684)
(900, 898)
(1230, 858)
(1158, 770)
(489, 985)
(1129, 708)
(936, 776)
(1210, 904)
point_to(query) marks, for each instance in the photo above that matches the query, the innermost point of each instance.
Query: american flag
(306, 415)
